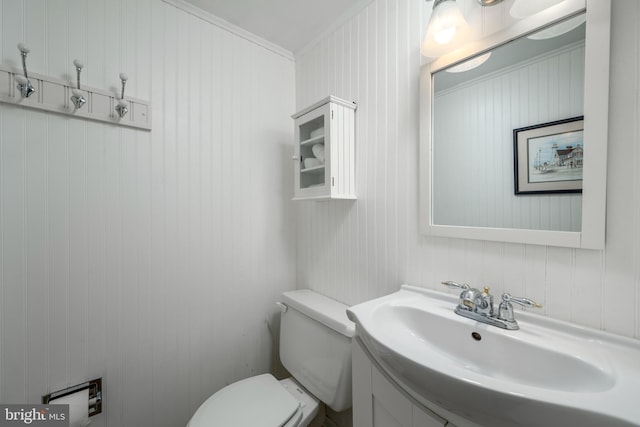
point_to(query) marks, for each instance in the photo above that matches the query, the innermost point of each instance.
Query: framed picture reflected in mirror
(548, 157)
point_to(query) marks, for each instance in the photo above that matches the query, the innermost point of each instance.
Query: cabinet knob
(294, 157)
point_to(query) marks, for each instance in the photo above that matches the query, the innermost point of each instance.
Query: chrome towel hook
(122, 108)
(25, 86)
(77, 98)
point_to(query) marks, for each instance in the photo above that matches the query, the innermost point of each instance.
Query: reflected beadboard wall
(149, 259)
(551, 88)
(361, 250)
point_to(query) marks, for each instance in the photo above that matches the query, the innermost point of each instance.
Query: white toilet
(315, 346)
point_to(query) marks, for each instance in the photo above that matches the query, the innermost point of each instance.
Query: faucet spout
(454, 285)
(484, 304)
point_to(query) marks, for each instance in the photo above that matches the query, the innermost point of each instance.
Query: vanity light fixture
(122, 108)
(77, 98)
(447, 27)
(25, 86)
(524, 8)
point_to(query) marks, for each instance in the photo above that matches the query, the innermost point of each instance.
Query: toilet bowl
(315, 346)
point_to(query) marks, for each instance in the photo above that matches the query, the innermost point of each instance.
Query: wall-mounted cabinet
(324, 151)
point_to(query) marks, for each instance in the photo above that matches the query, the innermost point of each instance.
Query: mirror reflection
(533, 83)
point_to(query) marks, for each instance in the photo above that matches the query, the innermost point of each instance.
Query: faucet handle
(525, 302)
(505, 310)
(455, 285)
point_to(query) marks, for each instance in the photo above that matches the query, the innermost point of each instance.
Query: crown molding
(227, 26)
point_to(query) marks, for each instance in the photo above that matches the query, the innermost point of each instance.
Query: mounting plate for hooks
(54, 96)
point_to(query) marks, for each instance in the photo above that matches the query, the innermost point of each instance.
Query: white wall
(148, 259)
(361, 250)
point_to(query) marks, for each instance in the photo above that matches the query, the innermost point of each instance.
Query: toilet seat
(258, 401)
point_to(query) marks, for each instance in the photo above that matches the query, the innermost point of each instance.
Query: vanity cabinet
(324, 151)
(377, 402)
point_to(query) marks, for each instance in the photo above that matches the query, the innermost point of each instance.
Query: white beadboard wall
(354, 251)
(549, 87)
(150, 259)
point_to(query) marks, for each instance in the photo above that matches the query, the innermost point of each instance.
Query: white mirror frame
(596, 111)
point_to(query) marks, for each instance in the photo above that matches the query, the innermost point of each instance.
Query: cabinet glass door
(312, 153)
(312, 160)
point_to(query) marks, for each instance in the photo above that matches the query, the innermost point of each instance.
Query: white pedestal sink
(547, 373)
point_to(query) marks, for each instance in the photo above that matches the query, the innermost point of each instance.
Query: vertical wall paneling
(97, 253)
(37, 255)
(158, 238)
(58, 230)
(150, 259)
(622, 224)
(636, 136)
(78, 261)
(593, 288)
(13, 249)
(2, 293)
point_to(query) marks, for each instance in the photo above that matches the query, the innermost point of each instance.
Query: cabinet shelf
(313, 169)
(319, 138)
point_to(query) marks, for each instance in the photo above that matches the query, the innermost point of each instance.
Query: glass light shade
(446, 30)
(523, 8)
(559, 29)
(469, 64)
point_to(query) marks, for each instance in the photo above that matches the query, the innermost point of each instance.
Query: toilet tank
(315, 345)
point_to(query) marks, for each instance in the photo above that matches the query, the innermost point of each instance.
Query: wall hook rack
(67, 98)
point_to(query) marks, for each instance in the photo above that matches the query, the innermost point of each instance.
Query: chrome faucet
(478, 305)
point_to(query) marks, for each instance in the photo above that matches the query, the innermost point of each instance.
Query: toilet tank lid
(325, 310)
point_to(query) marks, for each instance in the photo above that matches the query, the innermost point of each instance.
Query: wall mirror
(513, 137)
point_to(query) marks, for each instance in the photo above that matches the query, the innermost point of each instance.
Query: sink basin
(515, 357)
(547, 373)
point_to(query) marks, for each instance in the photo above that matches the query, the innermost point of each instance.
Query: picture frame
(548, 157)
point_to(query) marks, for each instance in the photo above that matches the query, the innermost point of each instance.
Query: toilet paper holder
(95, 395)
